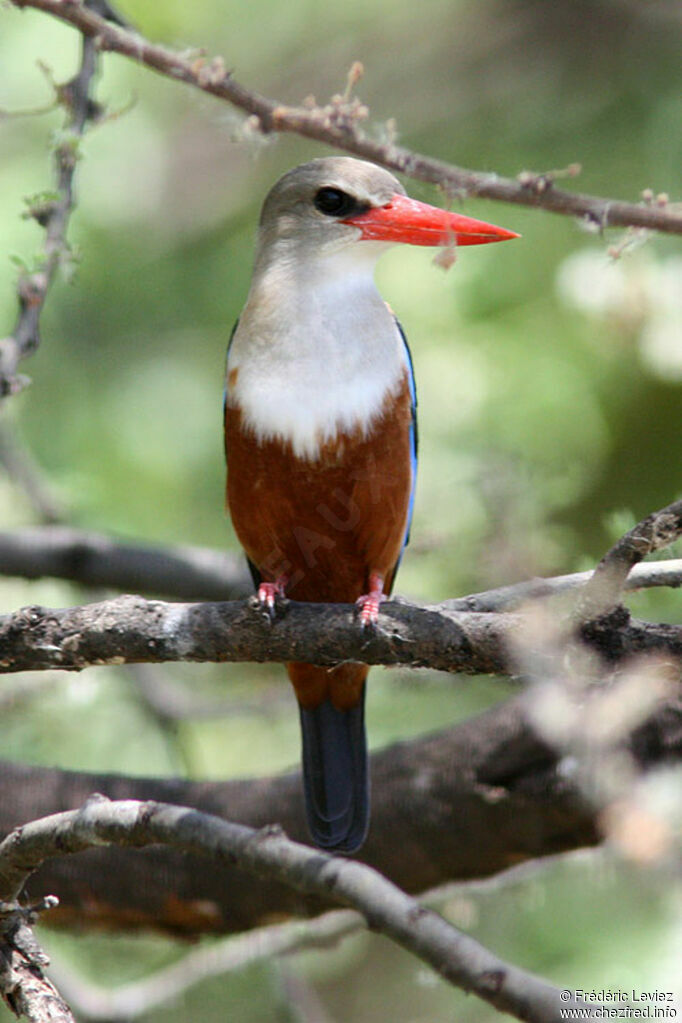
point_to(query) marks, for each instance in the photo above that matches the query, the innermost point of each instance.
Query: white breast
(313, 358)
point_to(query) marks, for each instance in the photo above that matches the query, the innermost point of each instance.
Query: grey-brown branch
(457, 957)
(184, 572)
(53, 215)
(338, 125)
(129, 629)
(467, 802)
(609, 578)
(105, 561)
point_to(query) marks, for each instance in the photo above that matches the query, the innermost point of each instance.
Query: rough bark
(129, 630)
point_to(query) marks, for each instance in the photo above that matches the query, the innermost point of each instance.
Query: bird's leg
(369, 603)
(268, 593)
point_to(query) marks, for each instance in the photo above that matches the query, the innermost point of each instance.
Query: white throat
(316, 352)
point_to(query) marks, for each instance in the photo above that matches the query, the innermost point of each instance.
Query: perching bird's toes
(269, 595)
(369, 603)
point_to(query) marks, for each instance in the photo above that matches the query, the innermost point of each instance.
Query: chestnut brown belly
(324, 523)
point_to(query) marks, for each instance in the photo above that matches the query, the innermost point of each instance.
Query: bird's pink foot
(269, 592)
(369, 603)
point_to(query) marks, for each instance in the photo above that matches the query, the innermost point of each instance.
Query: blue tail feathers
(335, 776)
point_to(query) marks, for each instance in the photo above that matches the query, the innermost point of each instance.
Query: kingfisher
(321, 438)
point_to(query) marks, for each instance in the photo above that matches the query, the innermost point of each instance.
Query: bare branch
(504, 598)
(23, 985)
(454, 955)
(97, 559)
(129, 629)
(130, 1001)
(338, 125)
(199, 573)
(468, 801)
(94, 1003)
(603, 591)
(53, 214)
(34, 996)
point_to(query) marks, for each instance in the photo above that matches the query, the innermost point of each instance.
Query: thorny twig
(52, 213)
(339, 124)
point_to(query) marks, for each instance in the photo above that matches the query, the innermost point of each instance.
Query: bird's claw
(369, 603)
(267, 597)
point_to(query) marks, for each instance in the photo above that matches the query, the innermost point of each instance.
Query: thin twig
(338, 125)
(504, 598)
(454, 955)
(53, 215)
(130, 1001)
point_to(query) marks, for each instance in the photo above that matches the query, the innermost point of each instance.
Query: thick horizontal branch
(337, 125)
(457, 957)
(96, 559)
(467, 802)
(130, 629)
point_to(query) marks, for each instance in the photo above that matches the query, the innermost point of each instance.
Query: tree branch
(605, 588)
(199, 573)
(53, 214)
(337, 125)
(23, 985)
(129, 629)
(97, 559)
(467, 802)
(503, 598)
(454, 955)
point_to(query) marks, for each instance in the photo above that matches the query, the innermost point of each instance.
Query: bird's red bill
(416, 223)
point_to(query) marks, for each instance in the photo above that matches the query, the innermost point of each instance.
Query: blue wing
(255, 574)
(414, 437)
(227, 352)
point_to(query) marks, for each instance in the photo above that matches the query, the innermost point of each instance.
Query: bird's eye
(334, 202)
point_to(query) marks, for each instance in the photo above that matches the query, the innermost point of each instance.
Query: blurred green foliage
(545, 407)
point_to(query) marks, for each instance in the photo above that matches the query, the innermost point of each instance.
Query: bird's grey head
(304, 211)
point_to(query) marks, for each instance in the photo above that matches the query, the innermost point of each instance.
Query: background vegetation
(549, 380)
